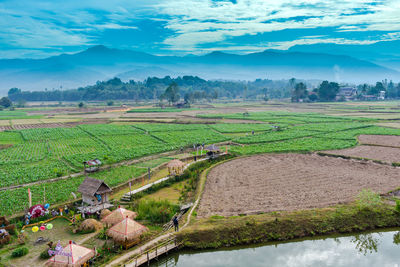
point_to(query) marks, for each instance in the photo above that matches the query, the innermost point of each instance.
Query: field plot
(380, 153)
(240, 127)
(386, 140)
(288, 182)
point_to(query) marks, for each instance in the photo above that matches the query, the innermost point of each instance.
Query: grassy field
(39, 154)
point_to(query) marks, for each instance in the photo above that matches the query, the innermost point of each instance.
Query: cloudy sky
(177, 27)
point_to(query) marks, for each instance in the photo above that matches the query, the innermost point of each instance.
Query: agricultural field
(287, 182)
(240, 127)
(39, 154)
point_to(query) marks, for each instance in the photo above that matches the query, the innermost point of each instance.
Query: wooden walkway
(153, 253)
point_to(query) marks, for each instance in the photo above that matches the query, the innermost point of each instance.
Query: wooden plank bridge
(153, 253)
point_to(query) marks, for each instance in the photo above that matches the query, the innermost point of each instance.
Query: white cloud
(27, 24)
(202, 21)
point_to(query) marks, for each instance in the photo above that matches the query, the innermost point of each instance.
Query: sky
(42, 28)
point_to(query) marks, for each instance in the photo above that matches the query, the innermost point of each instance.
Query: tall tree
(5, 102)
(299, 92)
(171, 94)
(327, 91)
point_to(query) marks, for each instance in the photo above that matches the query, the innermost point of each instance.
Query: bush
(398, 206)
(45, 254)
(19, 252)
(367, 199)
(156, 211)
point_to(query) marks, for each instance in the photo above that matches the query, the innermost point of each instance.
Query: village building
(347, 93)
(95, 195)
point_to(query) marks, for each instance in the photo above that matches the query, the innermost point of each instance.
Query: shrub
(368, 199)
(156, 211)
(19, 252)
(398, 206)
(102, 234)
(44, 255)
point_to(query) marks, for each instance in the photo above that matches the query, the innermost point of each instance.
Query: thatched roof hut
(175, 167)
(176, 163)
(104, 213)
(72, 255)
(91, 187)
(118, 215)
(127, 231)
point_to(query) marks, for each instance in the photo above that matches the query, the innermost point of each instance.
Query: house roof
(91, 186)
(212, 148)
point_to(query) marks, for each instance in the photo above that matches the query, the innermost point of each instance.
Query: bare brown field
(287, 182)
(379, 153)
(380, 140)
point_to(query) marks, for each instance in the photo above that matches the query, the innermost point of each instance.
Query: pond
(367, 249)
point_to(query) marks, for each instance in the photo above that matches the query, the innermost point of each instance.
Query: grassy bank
(218, 231)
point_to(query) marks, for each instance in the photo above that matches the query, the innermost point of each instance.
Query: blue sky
(37, 29)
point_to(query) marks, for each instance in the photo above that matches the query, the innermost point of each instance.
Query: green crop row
(241, 127)
(294, 145)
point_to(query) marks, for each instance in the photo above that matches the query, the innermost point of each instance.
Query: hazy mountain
(382, 53)
(100, 63)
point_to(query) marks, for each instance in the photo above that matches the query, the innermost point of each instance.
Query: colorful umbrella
(35, 229)
(42, 228)
(49, 226)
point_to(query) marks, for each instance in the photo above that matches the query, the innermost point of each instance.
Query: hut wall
(91, 200)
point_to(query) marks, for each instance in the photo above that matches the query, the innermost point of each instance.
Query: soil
(381, 140)
(287, 182)
(379, 153)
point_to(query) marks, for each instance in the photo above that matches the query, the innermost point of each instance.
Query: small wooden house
(212, 151)
(95, 194)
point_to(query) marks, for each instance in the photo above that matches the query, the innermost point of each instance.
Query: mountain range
(101, 63)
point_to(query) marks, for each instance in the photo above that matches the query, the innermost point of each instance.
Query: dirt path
(277, 182)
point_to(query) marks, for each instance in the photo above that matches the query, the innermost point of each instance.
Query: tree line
(191, 89)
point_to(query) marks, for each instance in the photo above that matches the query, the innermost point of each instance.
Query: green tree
(171, 94)
(5, 102)
(299, 92)
(14, 91)
(81, 105)
(377, 88)
(327, 91)
(391, 90)
(110, 103)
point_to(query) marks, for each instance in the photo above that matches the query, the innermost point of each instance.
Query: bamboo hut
(118, 215)
(127, 232)
(95, 195)
(175, 167)
(213, 151)
(70, 256)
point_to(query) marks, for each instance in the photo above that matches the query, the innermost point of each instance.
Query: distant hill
(101, 63)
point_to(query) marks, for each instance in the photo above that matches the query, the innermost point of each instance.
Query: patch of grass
(242, 230)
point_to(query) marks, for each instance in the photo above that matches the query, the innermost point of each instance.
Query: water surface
(369, 249)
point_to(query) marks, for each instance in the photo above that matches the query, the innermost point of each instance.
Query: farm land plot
(278, 182)
(185, 138)
(387, 140)
(379, 153)
(240, 127)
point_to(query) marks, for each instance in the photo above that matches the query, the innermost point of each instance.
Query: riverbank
(218, 231)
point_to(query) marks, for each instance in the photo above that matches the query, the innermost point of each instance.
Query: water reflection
(371, 249)
(366, 243)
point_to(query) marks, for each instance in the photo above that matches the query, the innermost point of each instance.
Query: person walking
(176, 223)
